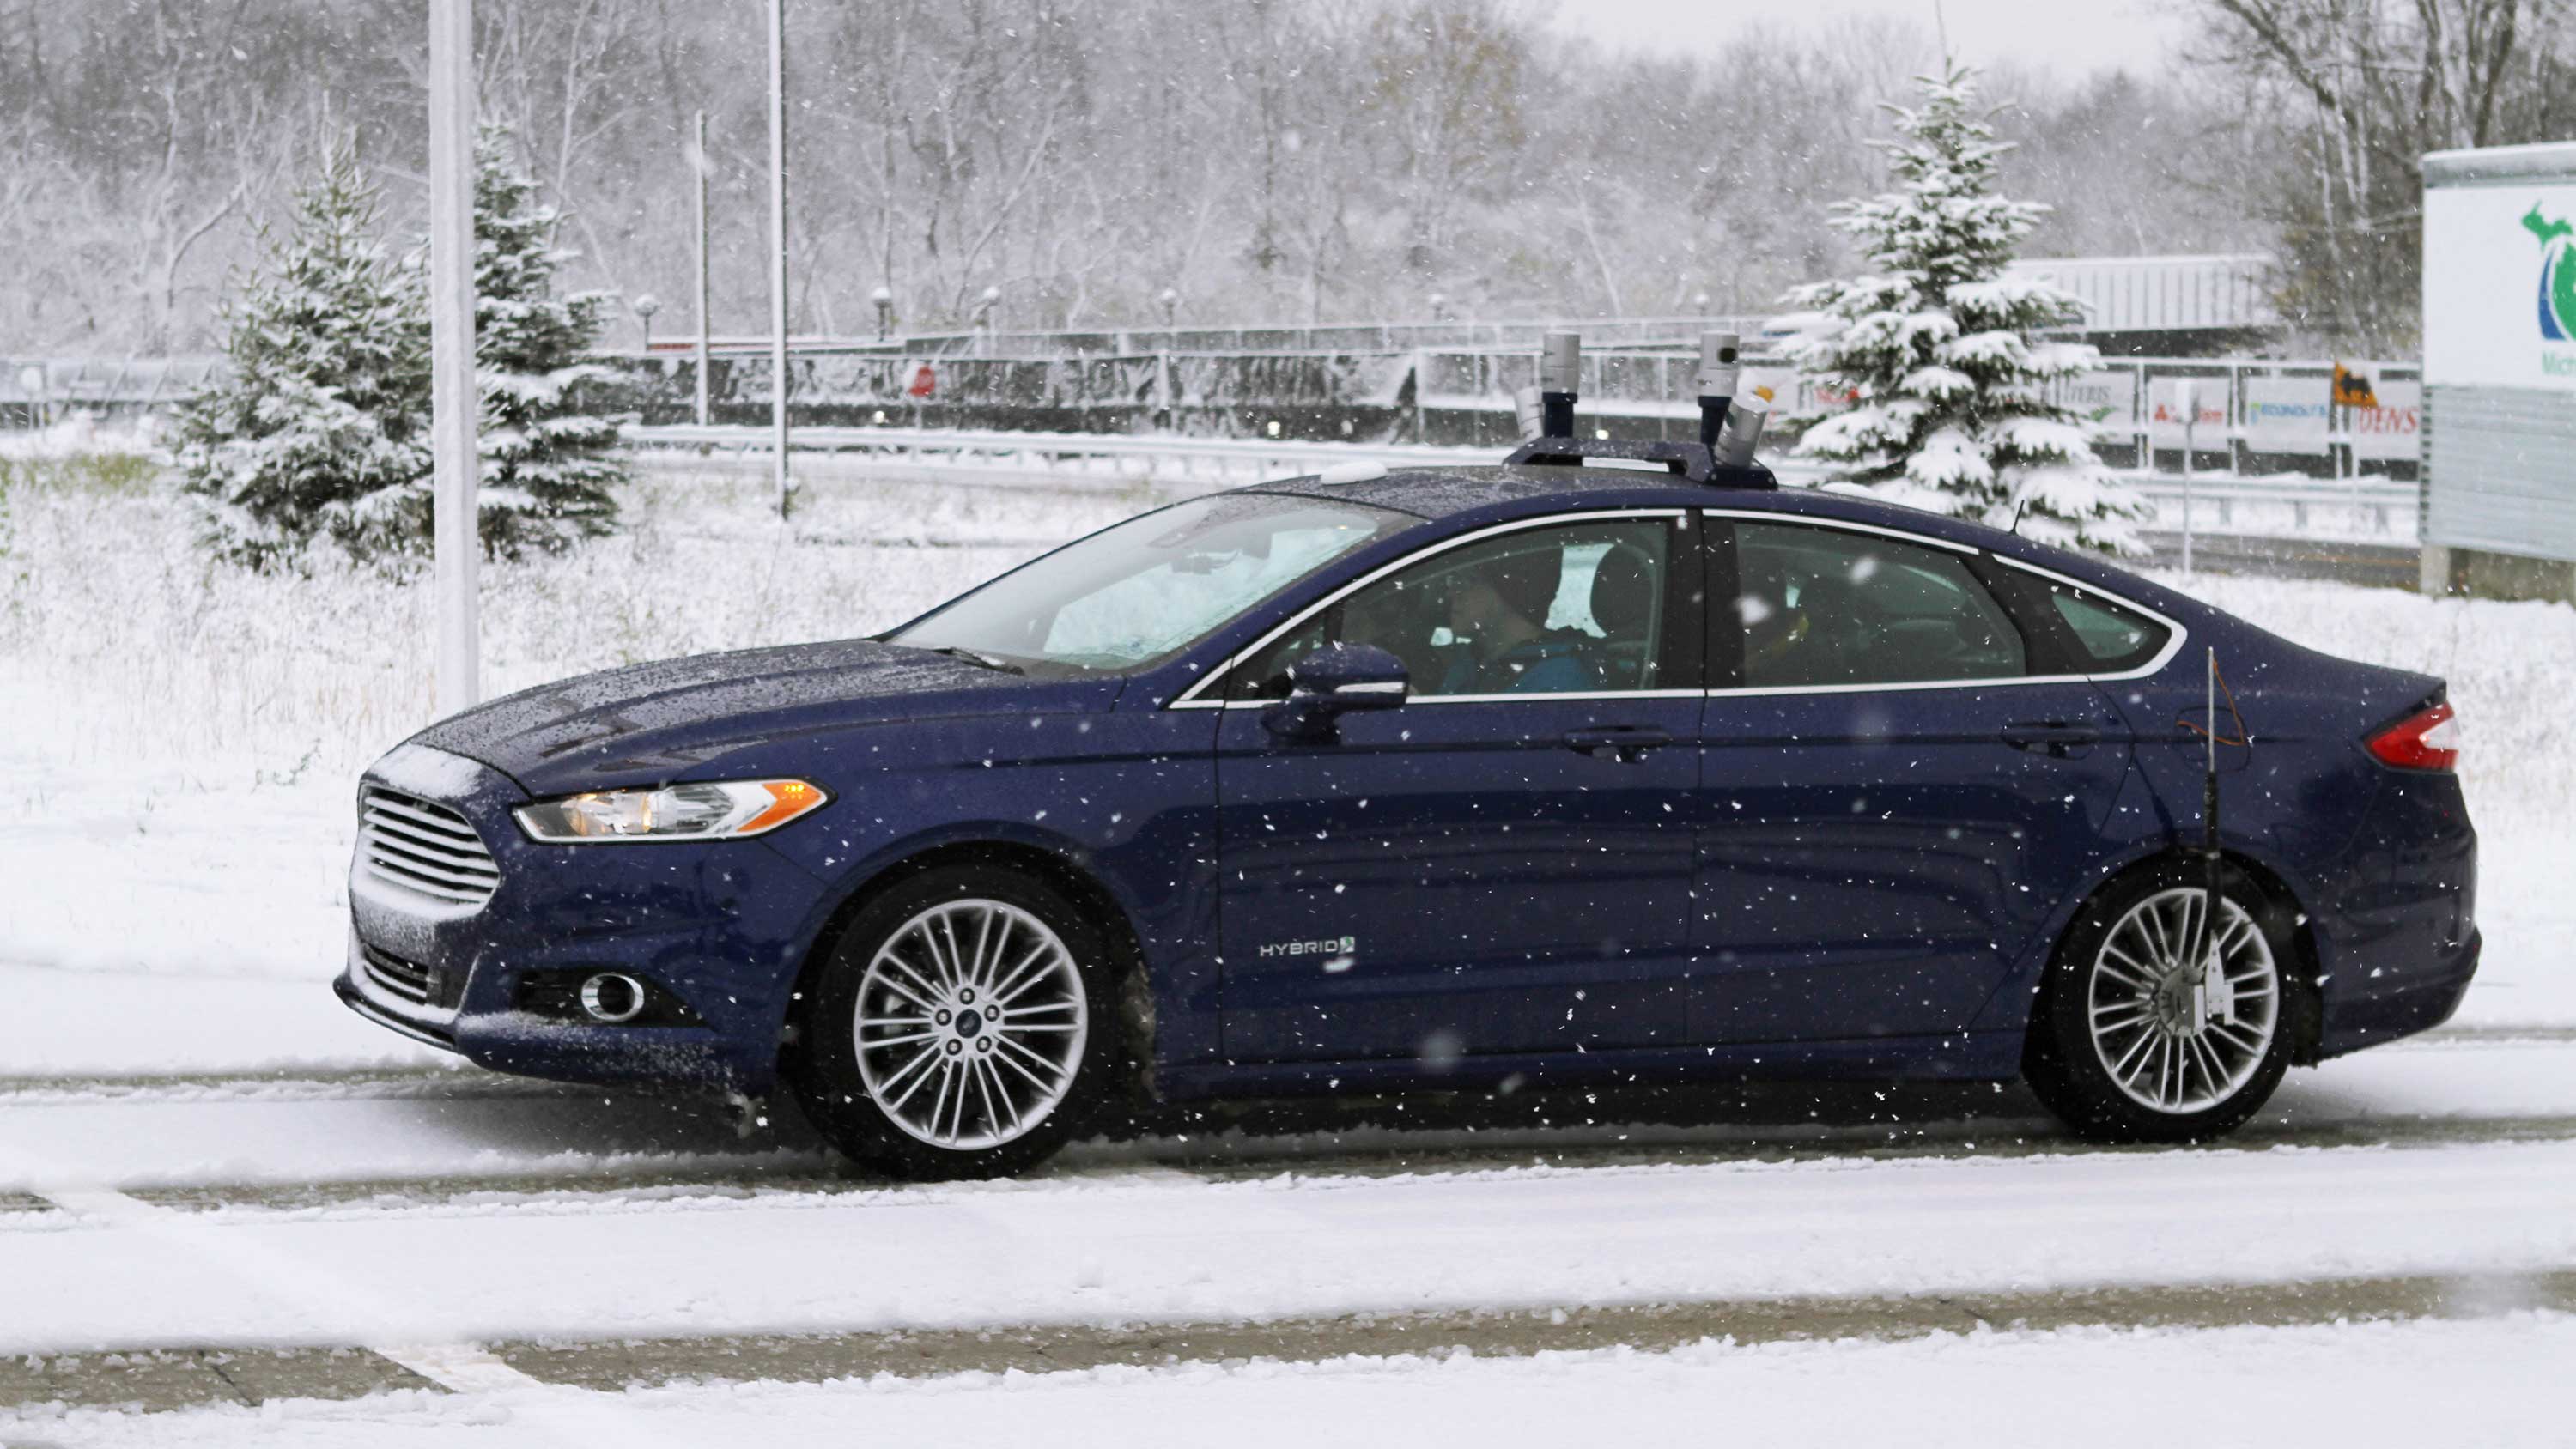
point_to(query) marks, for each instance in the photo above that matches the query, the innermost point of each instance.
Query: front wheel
(2136, 1041)
(959, 1028)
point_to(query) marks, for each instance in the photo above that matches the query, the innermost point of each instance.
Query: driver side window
(1570, 609)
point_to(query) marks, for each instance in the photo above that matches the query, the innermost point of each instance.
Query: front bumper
(720, 925)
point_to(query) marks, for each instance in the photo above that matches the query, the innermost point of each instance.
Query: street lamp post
(883, 296)
(645, 306)
(1171, 301)
(778, 252)
(1439, 307)
(698, 163)
(984, 307)
(456, 545)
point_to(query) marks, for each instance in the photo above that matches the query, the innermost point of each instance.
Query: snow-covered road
(453, 1207)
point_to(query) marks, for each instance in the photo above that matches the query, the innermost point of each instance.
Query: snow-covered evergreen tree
(1952, 406)
(321, 425)
(546, 462)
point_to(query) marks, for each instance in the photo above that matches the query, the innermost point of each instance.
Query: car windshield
(1144, 590)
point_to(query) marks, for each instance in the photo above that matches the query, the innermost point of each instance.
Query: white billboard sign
(2106, 399)
(2394, 430)
(2166, 413)
(2500, 285)
(2287, 414)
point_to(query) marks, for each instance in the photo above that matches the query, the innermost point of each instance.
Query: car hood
(657, 720)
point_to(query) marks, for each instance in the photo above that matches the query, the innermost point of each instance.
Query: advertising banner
(1783, 384)
(2393, 429)
(2288, 414)
(2165, 418)
(2107, 399)
(2500, 286)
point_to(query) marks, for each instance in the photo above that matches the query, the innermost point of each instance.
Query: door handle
(1617, 742)
(2058, 737)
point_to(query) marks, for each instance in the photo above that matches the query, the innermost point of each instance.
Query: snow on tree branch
(1939, 348)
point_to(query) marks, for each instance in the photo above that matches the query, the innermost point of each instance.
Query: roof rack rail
(1692, 461)
(1723, 456)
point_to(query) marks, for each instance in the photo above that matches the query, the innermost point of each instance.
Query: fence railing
(2287, 507)
(1675, 331)
(2247, 416)
(35, 391)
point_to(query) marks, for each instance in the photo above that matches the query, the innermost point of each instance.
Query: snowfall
(202, 1153)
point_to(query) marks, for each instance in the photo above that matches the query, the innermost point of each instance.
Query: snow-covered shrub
(320, 426)
(546, 462)
(1951, 382)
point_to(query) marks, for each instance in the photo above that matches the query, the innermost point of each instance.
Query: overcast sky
(2078, 35)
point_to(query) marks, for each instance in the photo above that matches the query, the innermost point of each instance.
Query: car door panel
(1884, 834)
(1501, 864)
(1456, 878)
(1874, 864)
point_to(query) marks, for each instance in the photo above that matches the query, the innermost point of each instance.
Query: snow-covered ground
(198, 1146)
(2501, 1381)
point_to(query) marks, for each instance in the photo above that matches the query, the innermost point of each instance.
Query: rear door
(1503, 864)
(1900, 783)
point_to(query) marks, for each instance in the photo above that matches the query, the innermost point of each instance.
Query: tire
(2119, 1049)
(927, 958)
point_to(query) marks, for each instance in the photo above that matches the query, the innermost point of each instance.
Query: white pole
(698, 162)
(455, 544)
(778, 250)
(2187, 402)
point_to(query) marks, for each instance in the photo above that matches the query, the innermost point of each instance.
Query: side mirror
(1333, 681)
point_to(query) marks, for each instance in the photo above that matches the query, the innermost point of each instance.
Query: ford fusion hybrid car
(1551, 772)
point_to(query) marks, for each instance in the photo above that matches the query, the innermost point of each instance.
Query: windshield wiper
(970, 656)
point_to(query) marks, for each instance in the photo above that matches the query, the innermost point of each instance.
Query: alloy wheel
(2176, 1035)
(971, 1024)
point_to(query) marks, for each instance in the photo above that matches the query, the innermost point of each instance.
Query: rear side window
(1821, 607)
(2111, 638)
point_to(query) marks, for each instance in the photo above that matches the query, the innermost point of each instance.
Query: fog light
(612, 997)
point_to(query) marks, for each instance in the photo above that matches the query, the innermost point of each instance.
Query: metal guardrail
(1060, 452)
(2215, 500)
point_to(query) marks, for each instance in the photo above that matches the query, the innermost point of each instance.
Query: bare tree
(2382, 82)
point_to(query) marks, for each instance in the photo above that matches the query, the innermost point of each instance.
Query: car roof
(1437, 493)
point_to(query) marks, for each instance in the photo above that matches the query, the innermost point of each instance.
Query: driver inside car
(1499, 611)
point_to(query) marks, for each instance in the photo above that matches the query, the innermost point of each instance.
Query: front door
(1502, 864)
(1898, 788)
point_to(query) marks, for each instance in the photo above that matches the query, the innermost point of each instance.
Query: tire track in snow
(572, 1417)
(615, 1366)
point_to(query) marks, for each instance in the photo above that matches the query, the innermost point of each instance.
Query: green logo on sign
(2557, 275)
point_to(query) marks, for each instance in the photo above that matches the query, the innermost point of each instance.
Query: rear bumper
(2395, 926)
(2426, 1001)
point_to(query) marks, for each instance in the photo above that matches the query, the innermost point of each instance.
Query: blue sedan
(1443, 780)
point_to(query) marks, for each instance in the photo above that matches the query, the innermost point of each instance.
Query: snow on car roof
(1440, 492)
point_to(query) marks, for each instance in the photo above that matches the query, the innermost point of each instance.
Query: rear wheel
(959, 1027)
(2137, 1041)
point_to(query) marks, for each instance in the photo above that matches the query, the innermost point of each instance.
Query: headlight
(727, 809)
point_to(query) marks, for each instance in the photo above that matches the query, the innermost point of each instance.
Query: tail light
(2426, 740)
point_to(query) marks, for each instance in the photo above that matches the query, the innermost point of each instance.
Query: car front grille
(409, 980)
(423, 847)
